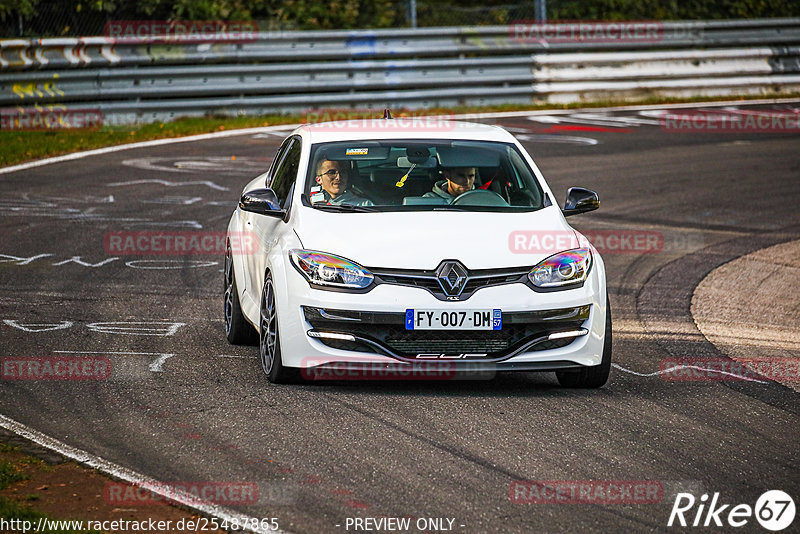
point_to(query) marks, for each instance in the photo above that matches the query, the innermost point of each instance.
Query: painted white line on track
(169, 264)
(157, 366)
(557, 138)
(678, 367)
(107, 352)
(38, 327)
(267, 129)
(168, 183)
(635, 107)
(130, 476)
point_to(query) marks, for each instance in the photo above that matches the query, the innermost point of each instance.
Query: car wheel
(269, 345)
(237, 329)
(596, 375)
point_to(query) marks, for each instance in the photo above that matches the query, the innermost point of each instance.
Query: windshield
(420, 175)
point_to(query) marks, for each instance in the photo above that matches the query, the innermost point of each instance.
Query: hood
(421, 240)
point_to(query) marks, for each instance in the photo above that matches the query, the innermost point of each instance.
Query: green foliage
(500, 12)
(304, 14)
(338, 14)
(670, 9)
(87, 17)
(188, 9)
(13, 510)
(11, 8)
(9, 474)
(5, 447)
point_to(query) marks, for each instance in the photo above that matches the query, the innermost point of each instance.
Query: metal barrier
(145, 80)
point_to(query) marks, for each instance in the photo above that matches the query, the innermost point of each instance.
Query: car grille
(495, 343)
(473, 284)
(476, 279)
(426, 282)
(388, 330)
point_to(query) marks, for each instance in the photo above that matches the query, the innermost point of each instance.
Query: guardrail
(146, 80)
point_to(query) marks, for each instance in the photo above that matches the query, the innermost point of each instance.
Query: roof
(401, 128)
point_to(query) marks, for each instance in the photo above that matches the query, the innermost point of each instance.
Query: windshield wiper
(343, 207)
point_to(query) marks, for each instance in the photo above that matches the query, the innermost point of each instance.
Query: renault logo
(452, 277)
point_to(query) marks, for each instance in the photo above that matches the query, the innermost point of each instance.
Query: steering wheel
(479, 197)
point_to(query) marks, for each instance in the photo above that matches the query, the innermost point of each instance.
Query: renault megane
(395, 246)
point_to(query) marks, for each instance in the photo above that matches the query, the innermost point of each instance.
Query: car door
(246, 220)
(266, 228)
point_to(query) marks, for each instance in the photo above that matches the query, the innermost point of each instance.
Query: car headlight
(329, 270)
(563, 269)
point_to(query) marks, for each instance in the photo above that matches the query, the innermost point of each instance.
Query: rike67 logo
(774, 510)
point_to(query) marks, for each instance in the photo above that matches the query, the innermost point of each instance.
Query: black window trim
(281, 154)
(287, 145)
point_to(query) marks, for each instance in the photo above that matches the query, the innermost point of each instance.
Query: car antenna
(387, 114)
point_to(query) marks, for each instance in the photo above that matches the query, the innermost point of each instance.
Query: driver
(332, 189)
(458, 180)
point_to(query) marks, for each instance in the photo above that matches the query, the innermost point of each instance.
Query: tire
(269, 344)
(237, 329)
(593, 376)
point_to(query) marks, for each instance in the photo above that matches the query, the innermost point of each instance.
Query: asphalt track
(186, 406)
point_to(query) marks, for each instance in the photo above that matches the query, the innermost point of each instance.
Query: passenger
(332, 177)
(458, 180)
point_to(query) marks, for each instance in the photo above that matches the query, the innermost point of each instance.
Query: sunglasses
(333, 173)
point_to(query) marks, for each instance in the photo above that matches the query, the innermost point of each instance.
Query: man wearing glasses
(332, 188)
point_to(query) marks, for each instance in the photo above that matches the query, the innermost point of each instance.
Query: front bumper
(371, 328)
(385, 333)
(426, 370)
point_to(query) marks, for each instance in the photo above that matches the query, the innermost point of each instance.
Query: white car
(384, 244)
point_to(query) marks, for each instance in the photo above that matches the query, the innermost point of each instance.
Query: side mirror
(580, 200)
(261, 201)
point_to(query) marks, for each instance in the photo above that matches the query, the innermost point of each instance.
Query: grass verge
(67, 493)
(21, 146)
(16, 470)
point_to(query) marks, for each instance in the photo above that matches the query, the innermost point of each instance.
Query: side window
(285, 173)
(278, 157)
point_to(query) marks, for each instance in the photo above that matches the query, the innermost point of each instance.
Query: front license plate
(454, 320)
